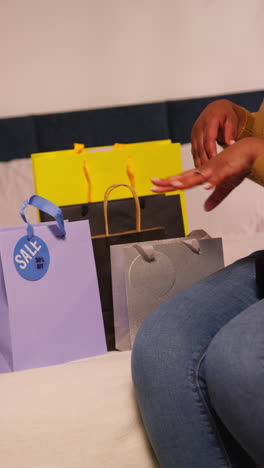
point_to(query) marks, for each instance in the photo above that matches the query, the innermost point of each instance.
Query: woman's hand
(220, 121)
(223, 172)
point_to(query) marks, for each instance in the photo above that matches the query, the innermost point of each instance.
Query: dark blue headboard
(183, 113)
(21, 136)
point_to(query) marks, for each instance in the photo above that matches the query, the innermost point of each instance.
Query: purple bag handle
(44, 205)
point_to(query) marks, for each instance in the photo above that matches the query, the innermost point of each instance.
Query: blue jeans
(198, 372)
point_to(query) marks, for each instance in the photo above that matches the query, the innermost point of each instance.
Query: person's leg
(168, 375)
(234, 370)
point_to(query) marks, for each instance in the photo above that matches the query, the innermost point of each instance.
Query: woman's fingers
(198, 151)
(219, 121)
(185, 180)
(221, 192)
(164, 189)
(229, 130)
(196, 157)
(224, 171)
(210, 136)
(192, 178)
(202, 154)
(230, 162)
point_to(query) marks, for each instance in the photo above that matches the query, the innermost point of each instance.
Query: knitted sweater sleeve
(254, 126)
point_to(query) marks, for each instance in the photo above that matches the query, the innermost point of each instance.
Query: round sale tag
(31, 258)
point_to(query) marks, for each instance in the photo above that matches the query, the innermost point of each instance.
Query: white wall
(59, 55)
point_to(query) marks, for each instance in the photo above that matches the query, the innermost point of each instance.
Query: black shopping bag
(156, 210)
(101, 246)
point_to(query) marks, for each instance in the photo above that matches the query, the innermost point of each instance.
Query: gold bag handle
(137, 206)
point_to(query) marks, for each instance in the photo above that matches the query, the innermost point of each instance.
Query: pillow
(16, 185)
(236, 246)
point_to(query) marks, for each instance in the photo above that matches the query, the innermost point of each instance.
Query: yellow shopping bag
(62, 176)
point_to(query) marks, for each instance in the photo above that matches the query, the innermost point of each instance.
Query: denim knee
(145, 354)
(168, 345)
(234, 370)
(234, 365)
(160, 348)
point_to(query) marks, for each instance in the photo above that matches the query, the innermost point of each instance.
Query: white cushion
(16, 185)
(242, 212)
(76, 415)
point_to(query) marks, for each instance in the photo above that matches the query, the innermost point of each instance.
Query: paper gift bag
(62, 176)
(157, 210)
(144, 275)
(126, 145)
(101, 245)
(50, 305)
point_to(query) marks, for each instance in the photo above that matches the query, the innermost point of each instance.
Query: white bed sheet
(84, 413)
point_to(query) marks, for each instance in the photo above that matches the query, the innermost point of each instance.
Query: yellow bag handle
(87, 174)
(130, 170)
(78, 149)
(118, 146)
(137, 206)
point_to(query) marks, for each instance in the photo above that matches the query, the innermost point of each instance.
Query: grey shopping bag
(146, 274)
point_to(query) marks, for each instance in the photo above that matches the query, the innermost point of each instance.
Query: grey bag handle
(193, 241)
(192, 244)
(147, 251)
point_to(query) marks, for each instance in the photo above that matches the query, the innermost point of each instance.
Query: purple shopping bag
(50, 304)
